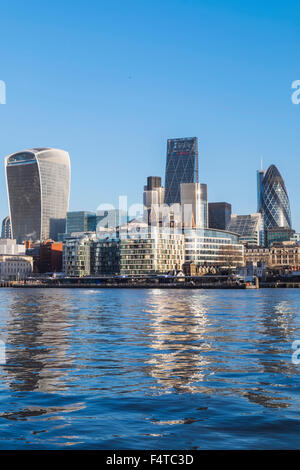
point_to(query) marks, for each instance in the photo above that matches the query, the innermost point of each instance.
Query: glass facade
(81, 221)
(260, 176)
(38, 183)
(274, 235)
(206, 247)
(249, 227)
(181, 166)
(6, 231)
(275, 204)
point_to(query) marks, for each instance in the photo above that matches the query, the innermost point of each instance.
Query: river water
(149, 369)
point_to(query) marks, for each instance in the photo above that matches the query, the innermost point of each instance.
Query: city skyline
(114, 109)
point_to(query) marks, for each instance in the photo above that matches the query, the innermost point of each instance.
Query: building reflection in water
(275, 328)
(37, 341)
(177, 335)
(205, 344)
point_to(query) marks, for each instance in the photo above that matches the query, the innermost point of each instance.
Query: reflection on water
(130, 368)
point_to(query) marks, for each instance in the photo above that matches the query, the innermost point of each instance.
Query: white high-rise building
(194, 205)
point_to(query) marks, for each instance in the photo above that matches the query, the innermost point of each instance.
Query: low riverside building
(50, 259)
(15, 267)
(257, 254)
(285, 255)
(77, 254)
(140, 249)
(279, 255)
(11, 247)
(210, 247)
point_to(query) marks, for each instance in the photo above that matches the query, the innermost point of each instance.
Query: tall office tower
(181, 166)
(219, 214)
(260, 174)
(153, 199)
(153, 182)
(275, 205)
(38, 187)
(6, 231)
(194, 205)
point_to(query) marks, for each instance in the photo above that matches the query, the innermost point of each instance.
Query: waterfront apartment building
(38, 187)
(76, 255)
(6, 230)
(15, 267)
(210, 247)
(140, 250)
(181, 166)
(219, 214)
(248, 227)
(193, 197)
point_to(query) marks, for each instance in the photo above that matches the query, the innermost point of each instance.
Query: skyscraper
(275, 205)
(181, 166)
(194, 205)
(153, 199)
(260, 174)
(38, 187)
(6, 231)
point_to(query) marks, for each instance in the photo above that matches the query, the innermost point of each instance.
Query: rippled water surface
(148, 369)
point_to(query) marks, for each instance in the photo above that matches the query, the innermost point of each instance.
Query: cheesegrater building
(38, 188)
(181, 166)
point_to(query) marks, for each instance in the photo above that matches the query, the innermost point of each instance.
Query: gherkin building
(275, 205)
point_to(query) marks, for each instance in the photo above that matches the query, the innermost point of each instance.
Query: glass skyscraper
(181, 166)
(260, 176)
(38, 187)
(275, 205)
(6, 231)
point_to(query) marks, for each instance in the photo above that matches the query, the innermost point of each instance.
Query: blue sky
(111, 81)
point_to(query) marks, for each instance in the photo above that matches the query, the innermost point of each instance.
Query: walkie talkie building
(181, 167)
(275, 205)
(38, 188)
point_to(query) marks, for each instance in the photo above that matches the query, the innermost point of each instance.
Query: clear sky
(111, 81)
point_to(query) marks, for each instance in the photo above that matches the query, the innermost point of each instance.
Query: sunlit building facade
(209, 247)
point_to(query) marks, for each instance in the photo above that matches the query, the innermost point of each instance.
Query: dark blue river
(149, 369)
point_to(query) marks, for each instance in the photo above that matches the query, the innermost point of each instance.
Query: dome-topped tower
(275, 204)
